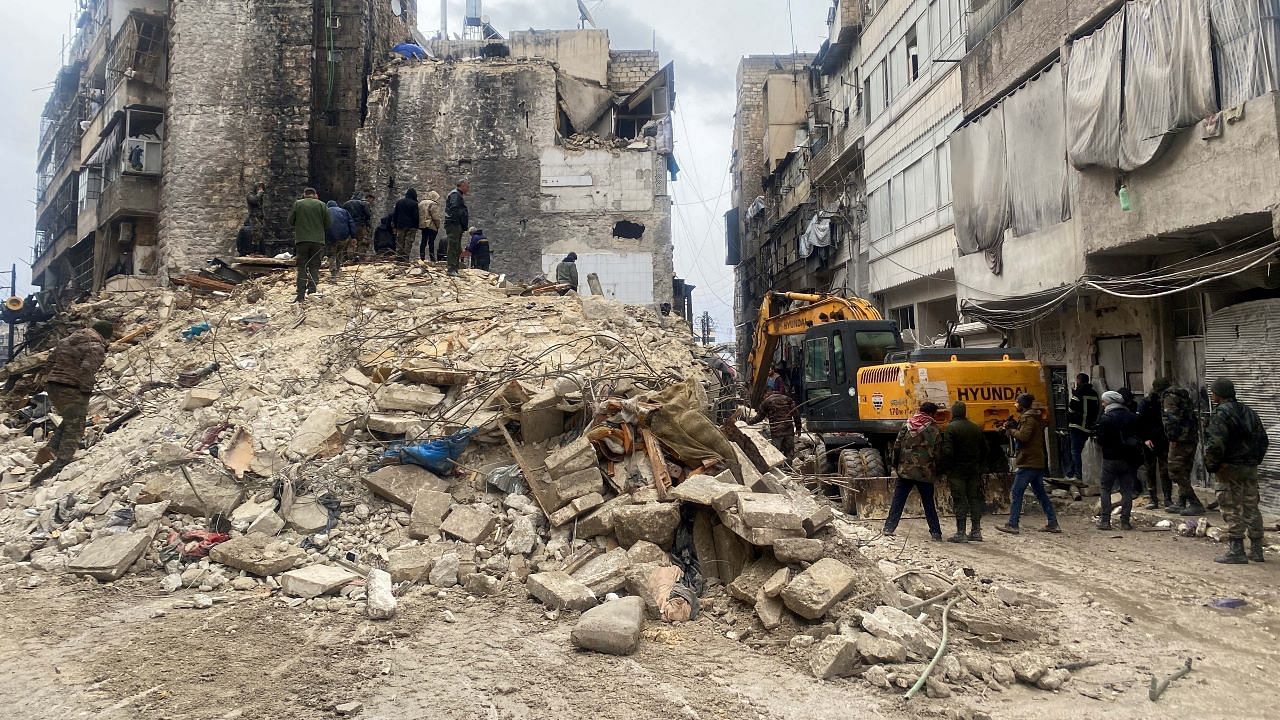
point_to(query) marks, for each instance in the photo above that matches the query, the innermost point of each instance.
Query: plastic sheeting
(817, 234)
(1093, 97)
(1245, 37)
(981, 195)
(1169, 79)
(1035, 130)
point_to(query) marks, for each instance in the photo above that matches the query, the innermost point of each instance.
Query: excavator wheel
(858, 463)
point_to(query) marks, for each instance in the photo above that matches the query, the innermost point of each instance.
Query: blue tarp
(438, 456)
(413, 51)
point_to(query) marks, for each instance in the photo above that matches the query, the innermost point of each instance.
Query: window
(897, 70)
(913, 56)
(944, 174)
(897, 202)
(866, 93)
(905, 316)
(817, 361)
(878, 212)
(1121, 361)
(143, 142)
(837, 352)
(874, 346)
(920, 188)
(931, 16)
(90, 187)
(1188, 314)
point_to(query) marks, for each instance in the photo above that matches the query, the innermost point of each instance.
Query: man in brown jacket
(73, 366)
(1028, 431)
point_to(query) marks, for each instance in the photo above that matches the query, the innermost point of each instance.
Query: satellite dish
(484, 19)
(397, 8)
(584, 15)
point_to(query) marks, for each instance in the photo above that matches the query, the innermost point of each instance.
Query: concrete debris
(401, 483)
(108, 558)
(793, 551)
(380, 603)
(890, 623)
(318, 434)
(652, 522)
(612, 628)
(197, 398)
(444, 573)
(644, 551)
(523, 536)
(558, 591)
(429, 509)
(751, 580)
(813, 592)
(268, 523)
(413, 564)
(470, 524)
(836, 656)
(315, 580)
(606, 573)
(306, 516)
(258, 554)
(878, 651)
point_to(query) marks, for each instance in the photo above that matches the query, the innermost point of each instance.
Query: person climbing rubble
(310, 219)
(430, 220)
(361, 212)
(784, 421)
(918, 448)
(457, 217)
(73, 367)
(1235, 442)
(567, 272)
(404, 221)
(338, 238)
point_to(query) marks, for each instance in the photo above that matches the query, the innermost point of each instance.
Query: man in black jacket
(361, 212)
(1082, 413)
(404, 221)
(1119, 437)
(1156, 453)
(457, 218)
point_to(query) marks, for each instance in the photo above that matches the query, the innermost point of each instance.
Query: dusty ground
(1135, 604)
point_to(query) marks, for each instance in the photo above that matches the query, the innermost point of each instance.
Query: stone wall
(494, 122)
(629, 69)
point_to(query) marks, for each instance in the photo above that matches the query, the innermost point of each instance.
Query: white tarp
(980, 195)
(816, 234)
(1036, 150)
(1245, 40)
(1169, 81)
(1093, 97)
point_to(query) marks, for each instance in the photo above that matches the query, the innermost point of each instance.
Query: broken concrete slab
(793, 551)
(770, 610)
(612, 628)
(258, 554)
(605, 573)
(879, 651)
(306, 515)
(655, 522)
(249, 511)
(268, 523)
(646, 552)
(444, 574)
(523, 536)
(401, 483)
(469, 523)
(353, 376)
(752, 578)
(813, 592)
(393, 424)
(813, 515)
(600, 521)
(197, 398)
(776, 583)
(732, 553)
(760, 537)
(836, 656)
(575, 508)
(380, 603)
(771, 455)
(540, 418)
(414, 563)
(763, 510)
(108, 558)
(315, 580)
(891, 623)
(574, 457)
(568, 488)
(318, 435)
(390, 398)
(149, 513)
(703, 490)
(208, 492)
(558, 591)
(429, 509)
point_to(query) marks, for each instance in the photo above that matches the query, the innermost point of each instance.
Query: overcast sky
(705, 39)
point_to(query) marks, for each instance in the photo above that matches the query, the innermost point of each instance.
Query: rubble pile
(403, 432)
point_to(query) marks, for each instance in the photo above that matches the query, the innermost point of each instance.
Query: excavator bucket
(870, 497)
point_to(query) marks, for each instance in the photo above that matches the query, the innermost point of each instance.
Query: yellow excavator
(859, 385)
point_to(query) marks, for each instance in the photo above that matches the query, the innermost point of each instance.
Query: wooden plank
(537, 486)
(130, 336)
(202, 283)
(661, 478)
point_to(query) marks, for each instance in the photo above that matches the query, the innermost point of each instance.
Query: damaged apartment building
(567, 144)
(166, 113)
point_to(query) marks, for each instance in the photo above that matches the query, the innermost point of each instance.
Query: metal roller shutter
(1243, 343)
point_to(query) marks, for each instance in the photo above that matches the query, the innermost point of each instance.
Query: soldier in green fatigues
(964, 455)
(1178, 411)
(1234, 444)
(309, 219)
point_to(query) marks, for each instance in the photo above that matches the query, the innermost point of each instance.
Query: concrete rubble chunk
(1016, 598)
(760, 537)
(772, 456)
(891, 623)
(763, 510)
(148, 513)
(732, 553)
(109, 557)
(394, 424)
(703, 490)
(353, 376)
(836, 656)
(208, 492)
(469, 523)
(390, 398)
(575, 457)
(813, 515)
(794, 551)
(248, 511)
(380, 602)
(558, 591)
(812, 593)
(444, 574)
(429, 509)
(268, 523)
(401, 483)
(605, 573)
(568, 488)
(776, 583)
(258, 554)
(879, 651)
(747, 585)
(575, 508)
(770, 610)
(197, 398)
(523, 536)
(318, 434)
(654, 522)
(646, 552)
(306, 515)
(1030, 667)
(315, 580)
(613, 628)
(600, 521)
(414, 563)
(482, 585)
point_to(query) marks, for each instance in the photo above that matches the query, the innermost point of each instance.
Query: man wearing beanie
(73, 367)
(1234, 444)
(964, 455)
(1118, 436)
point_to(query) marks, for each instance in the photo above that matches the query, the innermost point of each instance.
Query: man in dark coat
(1119, 437)
(964, 455)
(245, 244)
(457, 218)
(256, 201)
(404, 221)
(567, 272)
(1156, 450)
(338, 237)
(361, 212)
(784, 421)
(481, 252)
(1082, 413)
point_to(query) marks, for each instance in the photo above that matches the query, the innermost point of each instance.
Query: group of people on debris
(1161, 433)
(341, 232)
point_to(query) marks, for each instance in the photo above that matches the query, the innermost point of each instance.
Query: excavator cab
(833, 353)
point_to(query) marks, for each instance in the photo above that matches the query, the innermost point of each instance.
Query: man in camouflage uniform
(1234, 444)
(918, 448)
(1182, 430)
(73, 366)
(784, 421)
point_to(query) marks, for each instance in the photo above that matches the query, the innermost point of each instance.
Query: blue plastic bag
(438, 456)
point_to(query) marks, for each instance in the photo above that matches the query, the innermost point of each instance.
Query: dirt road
(1135, 604)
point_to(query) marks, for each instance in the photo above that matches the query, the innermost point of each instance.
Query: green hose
(942, 649)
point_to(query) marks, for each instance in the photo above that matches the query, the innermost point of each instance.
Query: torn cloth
(688, 434)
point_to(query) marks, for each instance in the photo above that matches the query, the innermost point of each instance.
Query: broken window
(653, 100)
(913, 56)
(138, 52)
(143, 141)
(628, 230)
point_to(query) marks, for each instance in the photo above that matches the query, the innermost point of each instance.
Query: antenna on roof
(584, 16)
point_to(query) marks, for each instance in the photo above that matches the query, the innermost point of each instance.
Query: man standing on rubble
(257, 218)
(404, 221)
(1118, 436)
(964, 455)
(457, 218)
(567, 272)
(431, 220)
(784, 421)
(361, 212)
(337, 237)
(1182, 428)
(309, 219)
(73, 366)
(1031, 462)
(918, 449)
(1082, 413)
(1234, 445)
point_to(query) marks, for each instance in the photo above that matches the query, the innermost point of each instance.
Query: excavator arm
(817, 309)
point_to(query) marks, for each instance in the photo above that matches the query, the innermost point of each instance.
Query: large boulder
(612, 628)
(812, 593)
(655, 522)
